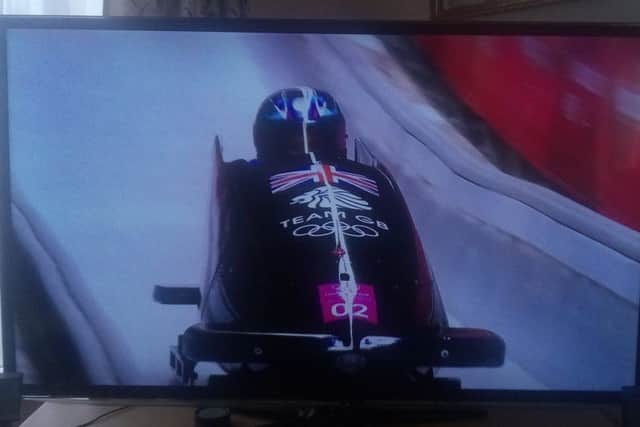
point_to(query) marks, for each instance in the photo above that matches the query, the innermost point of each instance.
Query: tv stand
(69, 413)
(355, 415)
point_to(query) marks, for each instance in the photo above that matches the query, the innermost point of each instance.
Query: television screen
(196, 208)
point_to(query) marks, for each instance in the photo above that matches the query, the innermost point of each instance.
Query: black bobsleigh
(318, 262)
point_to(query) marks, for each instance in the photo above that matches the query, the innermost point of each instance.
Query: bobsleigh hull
(285, 235)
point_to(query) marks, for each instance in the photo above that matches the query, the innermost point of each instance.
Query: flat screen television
(313, 210)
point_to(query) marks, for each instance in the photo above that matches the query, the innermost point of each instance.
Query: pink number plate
(334, 307)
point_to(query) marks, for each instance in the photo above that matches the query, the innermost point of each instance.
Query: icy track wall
(594, 257)
(462, 160)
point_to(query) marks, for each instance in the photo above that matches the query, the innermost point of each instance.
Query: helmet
(297, 121)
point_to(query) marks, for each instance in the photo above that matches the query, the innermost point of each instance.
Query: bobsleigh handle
(177, 295)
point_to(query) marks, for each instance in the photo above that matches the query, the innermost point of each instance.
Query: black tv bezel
(179, 393)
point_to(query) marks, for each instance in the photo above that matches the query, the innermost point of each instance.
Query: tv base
(302, 385)
(630, 407)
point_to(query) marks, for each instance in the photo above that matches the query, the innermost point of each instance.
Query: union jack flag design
(316, 173)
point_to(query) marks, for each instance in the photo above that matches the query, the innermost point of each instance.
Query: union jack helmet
(297, 121)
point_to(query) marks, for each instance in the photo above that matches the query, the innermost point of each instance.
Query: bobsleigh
(319, 263)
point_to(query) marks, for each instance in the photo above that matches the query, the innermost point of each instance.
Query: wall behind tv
(561, 10)
(577, 11)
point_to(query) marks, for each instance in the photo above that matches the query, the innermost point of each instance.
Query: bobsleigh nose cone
(351, 363)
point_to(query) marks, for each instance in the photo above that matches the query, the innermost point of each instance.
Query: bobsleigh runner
(318, 261)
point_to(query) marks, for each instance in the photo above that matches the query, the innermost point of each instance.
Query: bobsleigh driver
(318, 259)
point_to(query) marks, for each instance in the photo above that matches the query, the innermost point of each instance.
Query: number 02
(340, 310)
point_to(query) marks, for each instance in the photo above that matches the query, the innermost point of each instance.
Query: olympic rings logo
(328, 228)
